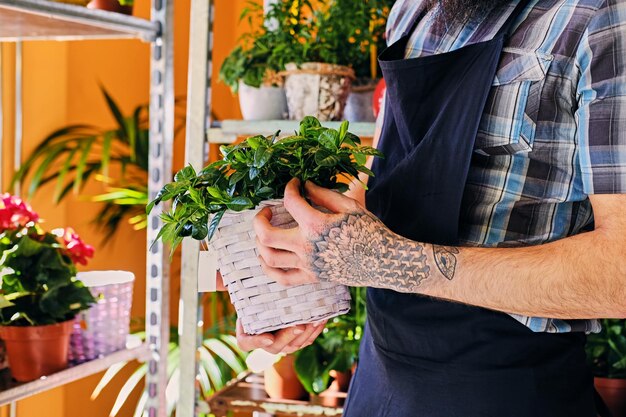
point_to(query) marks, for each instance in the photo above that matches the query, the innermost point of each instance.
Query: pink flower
(15, 213)
(78, 250)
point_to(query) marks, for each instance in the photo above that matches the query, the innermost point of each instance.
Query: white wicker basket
(262, 304)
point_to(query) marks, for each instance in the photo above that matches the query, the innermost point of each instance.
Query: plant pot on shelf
(263, 103)
(359, 107)
(613, 392)
(317, 89)
(36, 351)
(111, 6)
(281, 380)
(262, 304)
(104, 327)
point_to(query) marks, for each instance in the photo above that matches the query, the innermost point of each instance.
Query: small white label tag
(207, 271)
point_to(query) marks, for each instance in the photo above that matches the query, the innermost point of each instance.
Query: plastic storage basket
(104, 327)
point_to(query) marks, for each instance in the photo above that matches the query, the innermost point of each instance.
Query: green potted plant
(340, 47)
(40, 294)
(363, 24)
(606, 353)
(224, 197)
(71, 156)
(220, 361)
(331, 358)
(252, 68)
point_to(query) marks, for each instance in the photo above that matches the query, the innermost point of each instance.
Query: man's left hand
(288, 255)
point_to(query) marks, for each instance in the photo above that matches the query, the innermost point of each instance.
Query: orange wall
(61, 87)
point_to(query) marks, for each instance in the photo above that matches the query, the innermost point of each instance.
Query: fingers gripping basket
(262, 304)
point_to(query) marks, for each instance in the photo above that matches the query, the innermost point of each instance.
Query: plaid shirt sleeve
(602, 101)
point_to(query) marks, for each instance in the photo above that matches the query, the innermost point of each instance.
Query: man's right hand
(285, 341)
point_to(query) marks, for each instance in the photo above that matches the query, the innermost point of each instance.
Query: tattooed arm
(580, 277)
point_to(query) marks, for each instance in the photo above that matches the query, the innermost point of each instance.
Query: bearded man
(494, 232)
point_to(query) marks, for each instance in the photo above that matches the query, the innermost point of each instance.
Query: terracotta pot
(341, 381)
(613, 392)
(36, 351)
(111, 6)
(281, 380)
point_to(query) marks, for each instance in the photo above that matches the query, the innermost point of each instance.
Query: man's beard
(456, 11)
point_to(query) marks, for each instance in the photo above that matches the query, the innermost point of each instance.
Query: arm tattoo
(445, 260)
(359, 250)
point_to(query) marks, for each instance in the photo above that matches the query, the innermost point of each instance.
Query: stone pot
(359, 107)
(317, 89)
(281, 380)
(36, 351)
(111, 6)
(613, 392)
(263, 103)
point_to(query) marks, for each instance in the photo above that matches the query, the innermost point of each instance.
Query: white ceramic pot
(264, 103)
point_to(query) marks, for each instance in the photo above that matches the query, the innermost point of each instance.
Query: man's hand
(289, 255)
(283, 341)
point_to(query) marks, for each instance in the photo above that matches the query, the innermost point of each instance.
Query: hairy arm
(583, 276)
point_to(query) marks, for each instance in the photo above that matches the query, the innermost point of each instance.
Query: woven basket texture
(261, 303)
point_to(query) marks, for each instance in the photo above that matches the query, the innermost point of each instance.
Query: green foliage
(343, 32)
(337, 348)
(264, 51)
(69, 157)
(219, 361)
(257, 170)
(351, 33)
(38, 280)
(606, 351)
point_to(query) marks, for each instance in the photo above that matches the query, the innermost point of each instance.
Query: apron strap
(601, 408)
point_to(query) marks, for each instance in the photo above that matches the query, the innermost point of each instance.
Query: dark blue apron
(422, 357)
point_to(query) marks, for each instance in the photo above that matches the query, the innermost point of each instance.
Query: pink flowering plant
(38, 268)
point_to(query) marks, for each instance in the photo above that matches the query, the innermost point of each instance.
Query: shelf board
(48, 20)
(231, 129)
(11, 390)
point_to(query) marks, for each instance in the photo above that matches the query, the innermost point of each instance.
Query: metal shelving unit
(231, 129)
(24, 20)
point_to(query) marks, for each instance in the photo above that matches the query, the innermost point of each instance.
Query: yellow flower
(293, 21)
(358, 31)
(351, 39)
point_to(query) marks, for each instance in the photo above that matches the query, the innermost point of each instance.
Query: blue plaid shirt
(554, 127)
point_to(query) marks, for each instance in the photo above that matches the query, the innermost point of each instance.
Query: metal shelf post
(198, 111)
(159, 173)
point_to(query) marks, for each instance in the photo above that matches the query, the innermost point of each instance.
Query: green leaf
(117, 114)
(325, 159)
(360, 158)
(310, 369)
(185, 174)
(200, 230)
(343, 130)
(328, 139)
(129, 386)
(107, 378)
(215, 221)
(224, 352)
(261, 156)
(239, 204)
(82, 162)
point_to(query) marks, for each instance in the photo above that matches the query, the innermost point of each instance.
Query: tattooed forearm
(445, 259)
(360, 251)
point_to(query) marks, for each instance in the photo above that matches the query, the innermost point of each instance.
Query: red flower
(15, 213)
(78, 250)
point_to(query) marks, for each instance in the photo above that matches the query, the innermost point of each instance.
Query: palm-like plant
(220, 360)
(69, 157)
